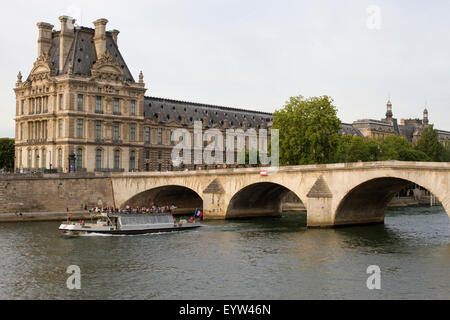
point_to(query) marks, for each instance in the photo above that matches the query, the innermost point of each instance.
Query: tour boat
(127, 224)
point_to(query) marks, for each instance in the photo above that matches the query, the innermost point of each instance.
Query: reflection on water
(271, 258)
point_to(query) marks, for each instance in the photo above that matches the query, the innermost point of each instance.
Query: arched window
(60, 158)
(132, 159)
(116, 159)
(79, 158)
(44, 159)
(98, 159)
(29, 159)
(36, 159)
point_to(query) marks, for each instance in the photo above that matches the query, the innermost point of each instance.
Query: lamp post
(50, 160)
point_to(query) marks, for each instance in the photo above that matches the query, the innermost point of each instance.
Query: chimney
(114, 34)
(45, 38)
(100, 37)
(66, 38)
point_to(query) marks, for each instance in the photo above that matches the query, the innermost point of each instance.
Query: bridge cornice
(403, 165)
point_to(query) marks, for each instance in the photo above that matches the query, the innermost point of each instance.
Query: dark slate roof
(82, 54)
(347, 128)
(407, 131)
(174, 110)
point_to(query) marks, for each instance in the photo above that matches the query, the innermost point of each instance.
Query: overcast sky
(256, 54)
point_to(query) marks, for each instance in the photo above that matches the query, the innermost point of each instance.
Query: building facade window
(39, 105)
(44, 159)
(60, 158)
(147, 135)
(98, 129)
(98, 159)
(29, 159)
(132, 160)
(79, 158)
(116, 159)
(116, 106)
(80, 104)
(60, 105)
(36, 159)
(132, 132)
(22, 106)
(79, 128)
(98, 104)
(60, 128)
(116, 131)
(159, 136)
(133, 107)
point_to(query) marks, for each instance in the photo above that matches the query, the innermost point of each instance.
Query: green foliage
(354, 148)
(398, 148)
(447, 152)
(309, 130)
(6, 154)
(429, 144)
(309, 134)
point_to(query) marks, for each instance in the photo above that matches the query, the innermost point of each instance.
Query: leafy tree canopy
(309, 130)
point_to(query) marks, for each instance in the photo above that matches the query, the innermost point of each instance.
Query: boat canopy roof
(145, 219)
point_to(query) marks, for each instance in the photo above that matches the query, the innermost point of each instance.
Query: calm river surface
(270, 258)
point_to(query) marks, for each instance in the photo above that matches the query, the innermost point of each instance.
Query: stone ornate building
(81, 109)
(411, 129)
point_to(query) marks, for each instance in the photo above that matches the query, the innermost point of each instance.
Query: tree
(398, 148)
(309, 130)
(447, 151)
(429, 144)
(355, 148)
(6, 154)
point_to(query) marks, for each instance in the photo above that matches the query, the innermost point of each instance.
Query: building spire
(389, 110)
(425, 115)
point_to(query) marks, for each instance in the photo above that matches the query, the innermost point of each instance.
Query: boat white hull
(71, 229)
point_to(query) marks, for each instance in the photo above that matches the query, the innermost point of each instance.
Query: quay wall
(53, 192)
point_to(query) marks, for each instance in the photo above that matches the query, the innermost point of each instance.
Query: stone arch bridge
(334, 194)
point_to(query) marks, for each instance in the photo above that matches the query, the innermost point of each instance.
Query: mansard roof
(347, 128)
(82, 55)
(167, 110)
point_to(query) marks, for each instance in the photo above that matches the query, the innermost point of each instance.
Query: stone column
(319, 205)
(214, 206)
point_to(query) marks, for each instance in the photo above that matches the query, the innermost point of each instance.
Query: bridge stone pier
(334, 194)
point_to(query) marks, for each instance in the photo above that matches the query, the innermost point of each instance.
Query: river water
(267, 258)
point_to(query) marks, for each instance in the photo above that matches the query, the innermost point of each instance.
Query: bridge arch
(365, 201)
(184, 198)
(258, 199)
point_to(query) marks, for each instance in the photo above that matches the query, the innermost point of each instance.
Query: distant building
(411, 129)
